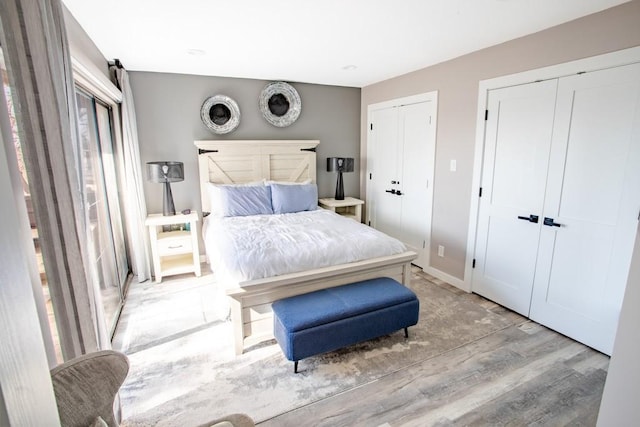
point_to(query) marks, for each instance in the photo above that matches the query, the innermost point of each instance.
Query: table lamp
(166, 173)
(339, 164)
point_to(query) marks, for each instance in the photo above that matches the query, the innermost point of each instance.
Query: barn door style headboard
(239, 162)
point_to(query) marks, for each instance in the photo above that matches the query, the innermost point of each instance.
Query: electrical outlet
(440, 250)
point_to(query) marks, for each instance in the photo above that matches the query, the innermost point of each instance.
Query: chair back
(86, 387)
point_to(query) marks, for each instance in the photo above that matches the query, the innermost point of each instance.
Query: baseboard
(454, 281)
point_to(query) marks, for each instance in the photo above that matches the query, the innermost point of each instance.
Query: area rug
(195, 377)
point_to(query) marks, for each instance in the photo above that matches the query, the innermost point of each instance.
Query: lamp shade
(339, 164)
(161, 172)
(166, 173)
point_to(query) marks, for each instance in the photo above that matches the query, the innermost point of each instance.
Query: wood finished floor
(524, 374)
(521, 375)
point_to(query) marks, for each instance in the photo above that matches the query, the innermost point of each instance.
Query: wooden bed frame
(235, 162)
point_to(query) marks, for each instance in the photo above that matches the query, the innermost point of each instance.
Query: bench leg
(406, 332)
(295, 367)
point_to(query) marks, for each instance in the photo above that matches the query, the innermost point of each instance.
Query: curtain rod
(117, 63)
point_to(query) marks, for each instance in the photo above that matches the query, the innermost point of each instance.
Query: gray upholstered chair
(86, 387)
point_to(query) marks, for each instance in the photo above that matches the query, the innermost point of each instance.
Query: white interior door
(400, 166)
(418, 159)
(593, 195)
(383, 166)
(517, 144)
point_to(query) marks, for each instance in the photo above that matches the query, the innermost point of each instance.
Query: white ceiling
(334, 42)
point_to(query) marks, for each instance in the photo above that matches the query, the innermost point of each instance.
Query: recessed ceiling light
(349, 67)
(196, 52)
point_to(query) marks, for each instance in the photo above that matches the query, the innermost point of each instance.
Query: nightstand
(175, 251)
(349, 207)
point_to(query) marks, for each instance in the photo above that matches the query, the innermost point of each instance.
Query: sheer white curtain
(135, 209)
(37, 53)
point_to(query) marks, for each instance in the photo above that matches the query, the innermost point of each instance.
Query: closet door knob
(530, 218)
(550, 222)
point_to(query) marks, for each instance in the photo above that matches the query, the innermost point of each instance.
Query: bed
(250, 295)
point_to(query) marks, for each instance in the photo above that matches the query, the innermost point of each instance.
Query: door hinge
(369, 223)
(473, 264)
(486, 115)
(480, 192)
(429, 119)
(424, 244)
(371, 126)
(370, 176)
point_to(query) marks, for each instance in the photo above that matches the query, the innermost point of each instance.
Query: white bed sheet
(259, 246)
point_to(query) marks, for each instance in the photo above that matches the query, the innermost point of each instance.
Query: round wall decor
(220, 114)
(280, 104)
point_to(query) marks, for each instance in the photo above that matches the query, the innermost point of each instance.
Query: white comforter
(259, 246)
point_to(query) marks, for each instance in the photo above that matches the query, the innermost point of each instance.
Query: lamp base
(339, 188)
(168, 207)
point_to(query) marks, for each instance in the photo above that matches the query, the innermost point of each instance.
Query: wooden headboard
(237, 162)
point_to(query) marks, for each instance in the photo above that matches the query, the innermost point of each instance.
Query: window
(109, 268)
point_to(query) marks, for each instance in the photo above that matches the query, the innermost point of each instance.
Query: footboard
(251, 302)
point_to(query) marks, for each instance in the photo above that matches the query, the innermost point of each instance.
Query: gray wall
(457, 84)
(168, 114)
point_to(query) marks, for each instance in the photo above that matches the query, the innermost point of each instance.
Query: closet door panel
(521, 150)
(508, 264)
(517, 144)
(384, 165)
(417, 164)
(576, 262)
(593, 196)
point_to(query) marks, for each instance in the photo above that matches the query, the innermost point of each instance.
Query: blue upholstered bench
(329, 319)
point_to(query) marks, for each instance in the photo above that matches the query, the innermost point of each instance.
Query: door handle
(550, 222)
(391, 191)
(530, 218)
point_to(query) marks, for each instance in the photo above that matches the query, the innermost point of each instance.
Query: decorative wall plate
(220, 113)
(280, 104)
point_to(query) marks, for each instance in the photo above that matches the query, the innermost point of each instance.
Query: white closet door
(593, 193)
(384, 164)
(401, 162)
(417, 163)
(517, 144)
